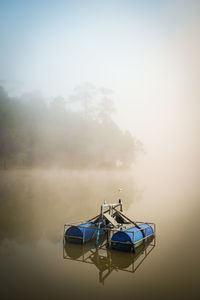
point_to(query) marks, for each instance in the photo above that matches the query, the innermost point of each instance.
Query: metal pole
(64, 236)
(120, 202)
(83, 235)
(110, 239)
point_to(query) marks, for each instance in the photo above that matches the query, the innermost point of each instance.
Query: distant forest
(75, 133)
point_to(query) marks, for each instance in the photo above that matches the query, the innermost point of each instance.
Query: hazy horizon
(96, 96)
(145, 52)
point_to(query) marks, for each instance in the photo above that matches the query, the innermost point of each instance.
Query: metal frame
(112, 229)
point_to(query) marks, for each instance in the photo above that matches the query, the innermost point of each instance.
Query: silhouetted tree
(35, 132)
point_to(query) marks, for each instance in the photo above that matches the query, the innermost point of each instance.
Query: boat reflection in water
(107, 260)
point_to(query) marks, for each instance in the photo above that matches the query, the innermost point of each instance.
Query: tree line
(75, 133)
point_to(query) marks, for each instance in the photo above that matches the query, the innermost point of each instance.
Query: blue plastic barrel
(123, 240)
(77, 232)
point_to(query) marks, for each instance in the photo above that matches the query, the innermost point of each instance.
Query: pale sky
(147, 52)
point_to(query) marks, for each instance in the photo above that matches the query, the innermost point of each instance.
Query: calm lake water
(34, 205)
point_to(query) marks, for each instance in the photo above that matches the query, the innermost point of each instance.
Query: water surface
(34, 205)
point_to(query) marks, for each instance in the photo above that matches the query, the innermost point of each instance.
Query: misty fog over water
(37, 132)
(58, 165)
(97, 96)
